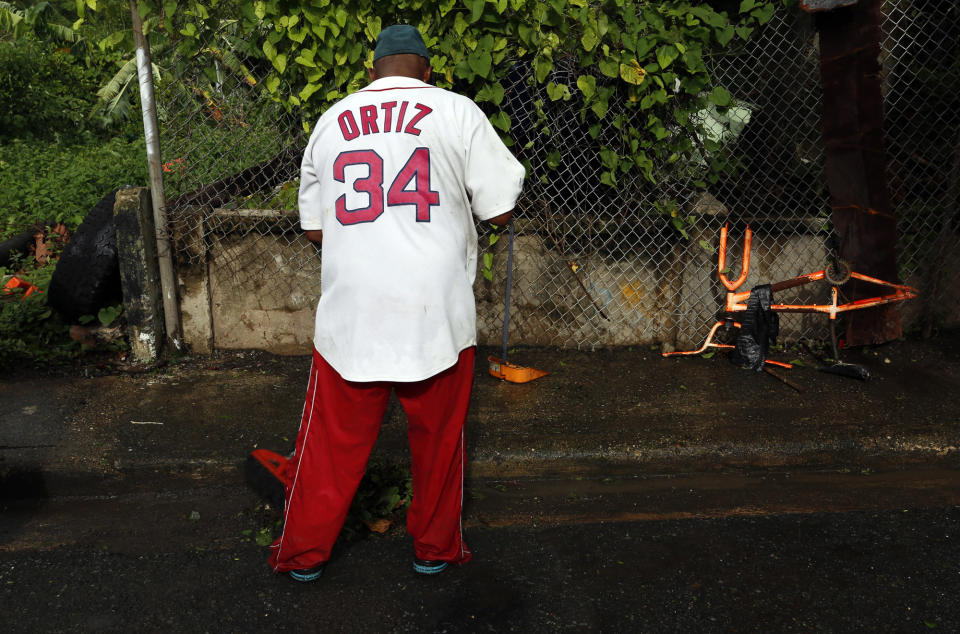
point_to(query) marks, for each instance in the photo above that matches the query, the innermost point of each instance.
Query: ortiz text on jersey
(374, 119)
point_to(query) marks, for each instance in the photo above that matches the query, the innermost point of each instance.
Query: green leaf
(644, 44)
(374, 25)
(709, 16)
(116, 37)
(542, 67)
(652, 99)
(306, 59)
(557, 92)
(587, 85)
(600, 107)
(609, 158)
(720, 96)
(326, 55)
(725, 34)
(480, 62)
(589, 39)
(747, 5)
(272, 83)
(494, 238)
(445, 6)
(476, 8)
(460, 24)
(554, 159)
(269, 50)
(693, 85)
(526, 33)
(603, 23)
(485, 44)
(263, 538)
(280, 62)
(108, 314)
(678, 224)
(299, 35)
(632, 72)
(666, 55)
(501, 121)
(487, 261)
(491, 92)
(763, 13)
(308, 90)
(609, 67)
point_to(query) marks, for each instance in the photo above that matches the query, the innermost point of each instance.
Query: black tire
(87, 276)
(18, 243)
(838, 273)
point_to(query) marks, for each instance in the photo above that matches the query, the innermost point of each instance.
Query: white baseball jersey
(391, 175)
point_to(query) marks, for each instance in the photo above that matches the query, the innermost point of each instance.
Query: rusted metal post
(856, 162)
(139, 272)
(171, 310)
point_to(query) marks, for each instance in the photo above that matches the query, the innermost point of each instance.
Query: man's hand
(502, 219)
(316, 236)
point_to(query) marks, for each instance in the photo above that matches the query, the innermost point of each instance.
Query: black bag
(759, 329)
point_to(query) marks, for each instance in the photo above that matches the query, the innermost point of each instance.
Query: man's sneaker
(427, 567)
(308, 574)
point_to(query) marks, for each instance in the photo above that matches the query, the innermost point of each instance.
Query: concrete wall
(645, 300)
(260, 290)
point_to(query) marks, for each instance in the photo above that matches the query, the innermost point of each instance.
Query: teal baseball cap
(399, 39)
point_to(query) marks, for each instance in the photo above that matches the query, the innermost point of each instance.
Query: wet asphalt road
(165, 555)
(623, 493)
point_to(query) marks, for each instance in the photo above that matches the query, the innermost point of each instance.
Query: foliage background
(652, 54)
(59, 153)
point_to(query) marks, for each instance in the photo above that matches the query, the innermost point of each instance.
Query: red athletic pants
(340, 423)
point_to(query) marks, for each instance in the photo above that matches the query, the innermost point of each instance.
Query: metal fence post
(171, 310)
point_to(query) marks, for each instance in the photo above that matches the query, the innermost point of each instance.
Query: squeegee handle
(506, 303)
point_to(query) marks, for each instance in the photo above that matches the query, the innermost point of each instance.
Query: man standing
(388, 182)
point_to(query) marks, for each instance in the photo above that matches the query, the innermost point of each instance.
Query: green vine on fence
(639, 65)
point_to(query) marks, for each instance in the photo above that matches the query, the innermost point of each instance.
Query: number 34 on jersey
(410, 186)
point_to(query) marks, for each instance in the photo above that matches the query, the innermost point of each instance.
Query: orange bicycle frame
(736, 301)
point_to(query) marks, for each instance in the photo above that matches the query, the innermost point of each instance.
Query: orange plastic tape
(16, 282)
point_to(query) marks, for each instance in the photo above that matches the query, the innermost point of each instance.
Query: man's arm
(316, 235)
(493, 177)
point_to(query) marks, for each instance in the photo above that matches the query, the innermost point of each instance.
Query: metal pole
(171, 310)
(506, 300)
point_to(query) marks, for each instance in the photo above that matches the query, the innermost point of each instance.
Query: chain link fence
(598, 266)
